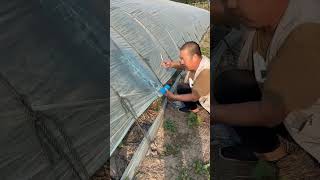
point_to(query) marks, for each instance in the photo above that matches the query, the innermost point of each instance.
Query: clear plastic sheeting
(143, 33)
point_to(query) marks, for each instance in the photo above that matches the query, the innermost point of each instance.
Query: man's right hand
(167, 64)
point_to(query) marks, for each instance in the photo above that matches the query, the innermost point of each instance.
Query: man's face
(188, 61)
(252, 13)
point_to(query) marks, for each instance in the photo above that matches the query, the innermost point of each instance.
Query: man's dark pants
(238, 86)
(184, 88)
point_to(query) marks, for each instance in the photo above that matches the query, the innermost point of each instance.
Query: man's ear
(195, 57)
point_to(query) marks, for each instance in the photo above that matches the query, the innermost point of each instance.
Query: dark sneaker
(239, 163)
(239, 153)
(185, 109)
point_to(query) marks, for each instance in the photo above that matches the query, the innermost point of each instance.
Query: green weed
(194, 120)
(169, 125)
(183, 175)
(171, 149)
(201, 168)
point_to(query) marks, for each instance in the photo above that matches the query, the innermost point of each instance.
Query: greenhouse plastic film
(144, 33)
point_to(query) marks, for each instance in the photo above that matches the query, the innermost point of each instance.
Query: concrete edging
(144, 145)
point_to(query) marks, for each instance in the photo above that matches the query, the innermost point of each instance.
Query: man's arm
(177, 65)
(200, 88)
(172, 64)
(292, 84)
(260, 113)
(183, 97)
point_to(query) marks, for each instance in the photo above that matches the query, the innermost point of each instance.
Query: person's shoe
(185, 109)
(238, 153)
(177, 104)
(239, 162)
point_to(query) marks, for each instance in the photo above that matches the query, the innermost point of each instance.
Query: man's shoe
(177, 104)
(238, 162)
(238, 153)
(185, 109)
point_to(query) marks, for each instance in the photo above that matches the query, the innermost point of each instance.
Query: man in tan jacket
(196, 87)
(278, 81)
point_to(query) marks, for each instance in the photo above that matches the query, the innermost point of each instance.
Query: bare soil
(190, 145)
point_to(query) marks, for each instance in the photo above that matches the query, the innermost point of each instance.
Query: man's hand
(182, 97)
(170, 96)
(167, 64)
(172, 64)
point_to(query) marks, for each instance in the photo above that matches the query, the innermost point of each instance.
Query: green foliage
(169, 125)
(156, 106)
(201, 168)
(205, 51)
(194, 120)
(264, 170)
(183, 175)
(171, 149)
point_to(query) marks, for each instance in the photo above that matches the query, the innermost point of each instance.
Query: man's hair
(192, 47)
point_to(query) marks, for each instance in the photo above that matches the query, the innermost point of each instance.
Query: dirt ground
(182, 152)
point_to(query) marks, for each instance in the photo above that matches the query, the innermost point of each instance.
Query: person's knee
(179, 88)
(183, 88)
(236, 85)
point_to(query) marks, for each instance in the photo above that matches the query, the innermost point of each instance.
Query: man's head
(190, 55)
(257, 13)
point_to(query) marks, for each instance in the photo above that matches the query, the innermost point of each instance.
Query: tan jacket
(204, 64)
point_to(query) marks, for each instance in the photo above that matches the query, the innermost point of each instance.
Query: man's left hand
(170, 95)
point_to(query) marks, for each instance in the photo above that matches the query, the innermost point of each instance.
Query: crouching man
(196, 87)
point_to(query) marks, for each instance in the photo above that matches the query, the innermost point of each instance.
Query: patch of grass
(200, 4)
(171, 150)
(201, 168)
(205, 44)
(205, 51)
(169, 125)
(183, 175)
(194, 120)
(159, 103)
(264, 170)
